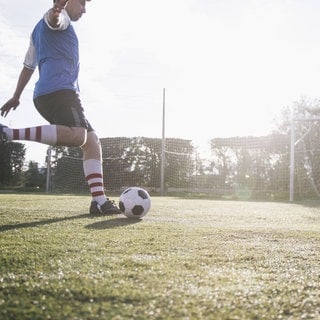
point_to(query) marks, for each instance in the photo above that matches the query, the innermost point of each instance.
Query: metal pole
(163, 144)
(48, 169)
(292, 145)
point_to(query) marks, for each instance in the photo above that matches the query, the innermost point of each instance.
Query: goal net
(233, 168)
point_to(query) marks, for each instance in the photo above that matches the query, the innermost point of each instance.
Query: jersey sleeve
(30, 60)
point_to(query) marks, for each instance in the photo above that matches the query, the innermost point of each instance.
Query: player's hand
(11, 104)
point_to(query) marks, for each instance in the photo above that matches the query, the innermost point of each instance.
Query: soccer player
(54, 50)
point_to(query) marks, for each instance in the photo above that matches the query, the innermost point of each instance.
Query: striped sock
(93, 173)
(43, 134)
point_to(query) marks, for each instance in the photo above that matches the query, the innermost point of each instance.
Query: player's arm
(54, 14)
(14, 102)
(29, 65)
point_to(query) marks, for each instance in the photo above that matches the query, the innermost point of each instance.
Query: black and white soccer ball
(135, 202)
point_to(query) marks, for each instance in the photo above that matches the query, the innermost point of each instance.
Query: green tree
(34, 177)
(249, 163)
(12, 156)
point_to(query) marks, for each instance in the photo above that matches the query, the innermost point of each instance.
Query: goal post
(294, 142)
(163, 142)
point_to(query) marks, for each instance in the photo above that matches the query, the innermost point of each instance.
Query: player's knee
(71, 137)
(79, 137)
(93, 140)
(93, 136)
(92, 146)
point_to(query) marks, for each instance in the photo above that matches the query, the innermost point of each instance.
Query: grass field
(187, 259)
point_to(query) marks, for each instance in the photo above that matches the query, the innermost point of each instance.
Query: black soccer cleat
(3, 136)
(94, 209)
(108, 208)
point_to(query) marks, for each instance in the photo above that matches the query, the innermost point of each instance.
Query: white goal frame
(293, 144)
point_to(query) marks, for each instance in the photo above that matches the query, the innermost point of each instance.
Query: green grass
(187, 259)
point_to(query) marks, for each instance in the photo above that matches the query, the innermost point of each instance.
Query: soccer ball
(134, 202)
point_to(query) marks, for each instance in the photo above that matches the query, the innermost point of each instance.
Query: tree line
(13, 171)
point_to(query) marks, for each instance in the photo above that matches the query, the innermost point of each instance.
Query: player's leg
(62, 109)
(53, 135)
(93, 171)
(69, 127)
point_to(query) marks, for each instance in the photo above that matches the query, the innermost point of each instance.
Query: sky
(228, 66)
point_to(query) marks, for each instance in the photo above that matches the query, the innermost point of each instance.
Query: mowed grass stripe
(187, 259)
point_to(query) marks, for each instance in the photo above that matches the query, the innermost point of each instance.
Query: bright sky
(228, 66)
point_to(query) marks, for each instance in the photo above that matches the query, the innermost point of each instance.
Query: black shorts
(64, 108)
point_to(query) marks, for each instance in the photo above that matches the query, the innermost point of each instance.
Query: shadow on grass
(112, 223)
(33, 224)
(105, 224)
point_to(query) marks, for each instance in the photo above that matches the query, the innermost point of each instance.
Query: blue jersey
(56, 53)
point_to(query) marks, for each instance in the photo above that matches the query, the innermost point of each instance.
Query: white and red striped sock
(44, 134)
(94, 175)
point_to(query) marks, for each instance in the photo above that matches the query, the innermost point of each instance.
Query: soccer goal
(272, 167)
(304, 157)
